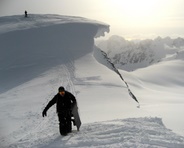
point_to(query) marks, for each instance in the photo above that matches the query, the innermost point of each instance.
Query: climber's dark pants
(65, 125)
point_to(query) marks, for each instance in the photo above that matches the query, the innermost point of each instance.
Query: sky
(132, 19)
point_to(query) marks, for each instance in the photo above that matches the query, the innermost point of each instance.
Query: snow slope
(35, 61)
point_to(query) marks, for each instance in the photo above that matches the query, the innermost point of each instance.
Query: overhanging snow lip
(19, 22)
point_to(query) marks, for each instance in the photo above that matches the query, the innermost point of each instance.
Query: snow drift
(30, 46)
(42, 52)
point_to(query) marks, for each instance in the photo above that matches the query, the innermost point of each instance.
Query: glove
(44, 113)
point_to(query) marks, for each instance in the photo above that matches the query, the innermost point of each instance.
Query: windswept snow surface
(36, 61)
(131, 132)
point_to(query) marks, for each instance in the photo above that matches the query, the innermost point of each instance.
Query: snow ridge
(102, 57)
(18, 22)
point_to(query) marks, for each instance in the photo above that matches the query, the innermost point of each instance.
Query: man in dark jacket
(25, 13)
(64, 101)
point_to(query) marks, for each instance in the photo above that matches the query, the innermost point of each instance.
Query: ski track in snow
(29, 135)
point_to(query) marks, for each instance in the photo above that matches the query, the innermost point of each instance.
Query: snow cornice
(19, 22)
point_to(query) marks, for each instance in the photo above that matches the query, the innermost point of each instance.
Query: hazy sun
(135, 8)
(134, 11)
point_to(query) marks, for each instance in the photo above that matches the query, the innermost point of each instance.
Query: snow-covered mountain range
(42, 52)
(131, 55)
